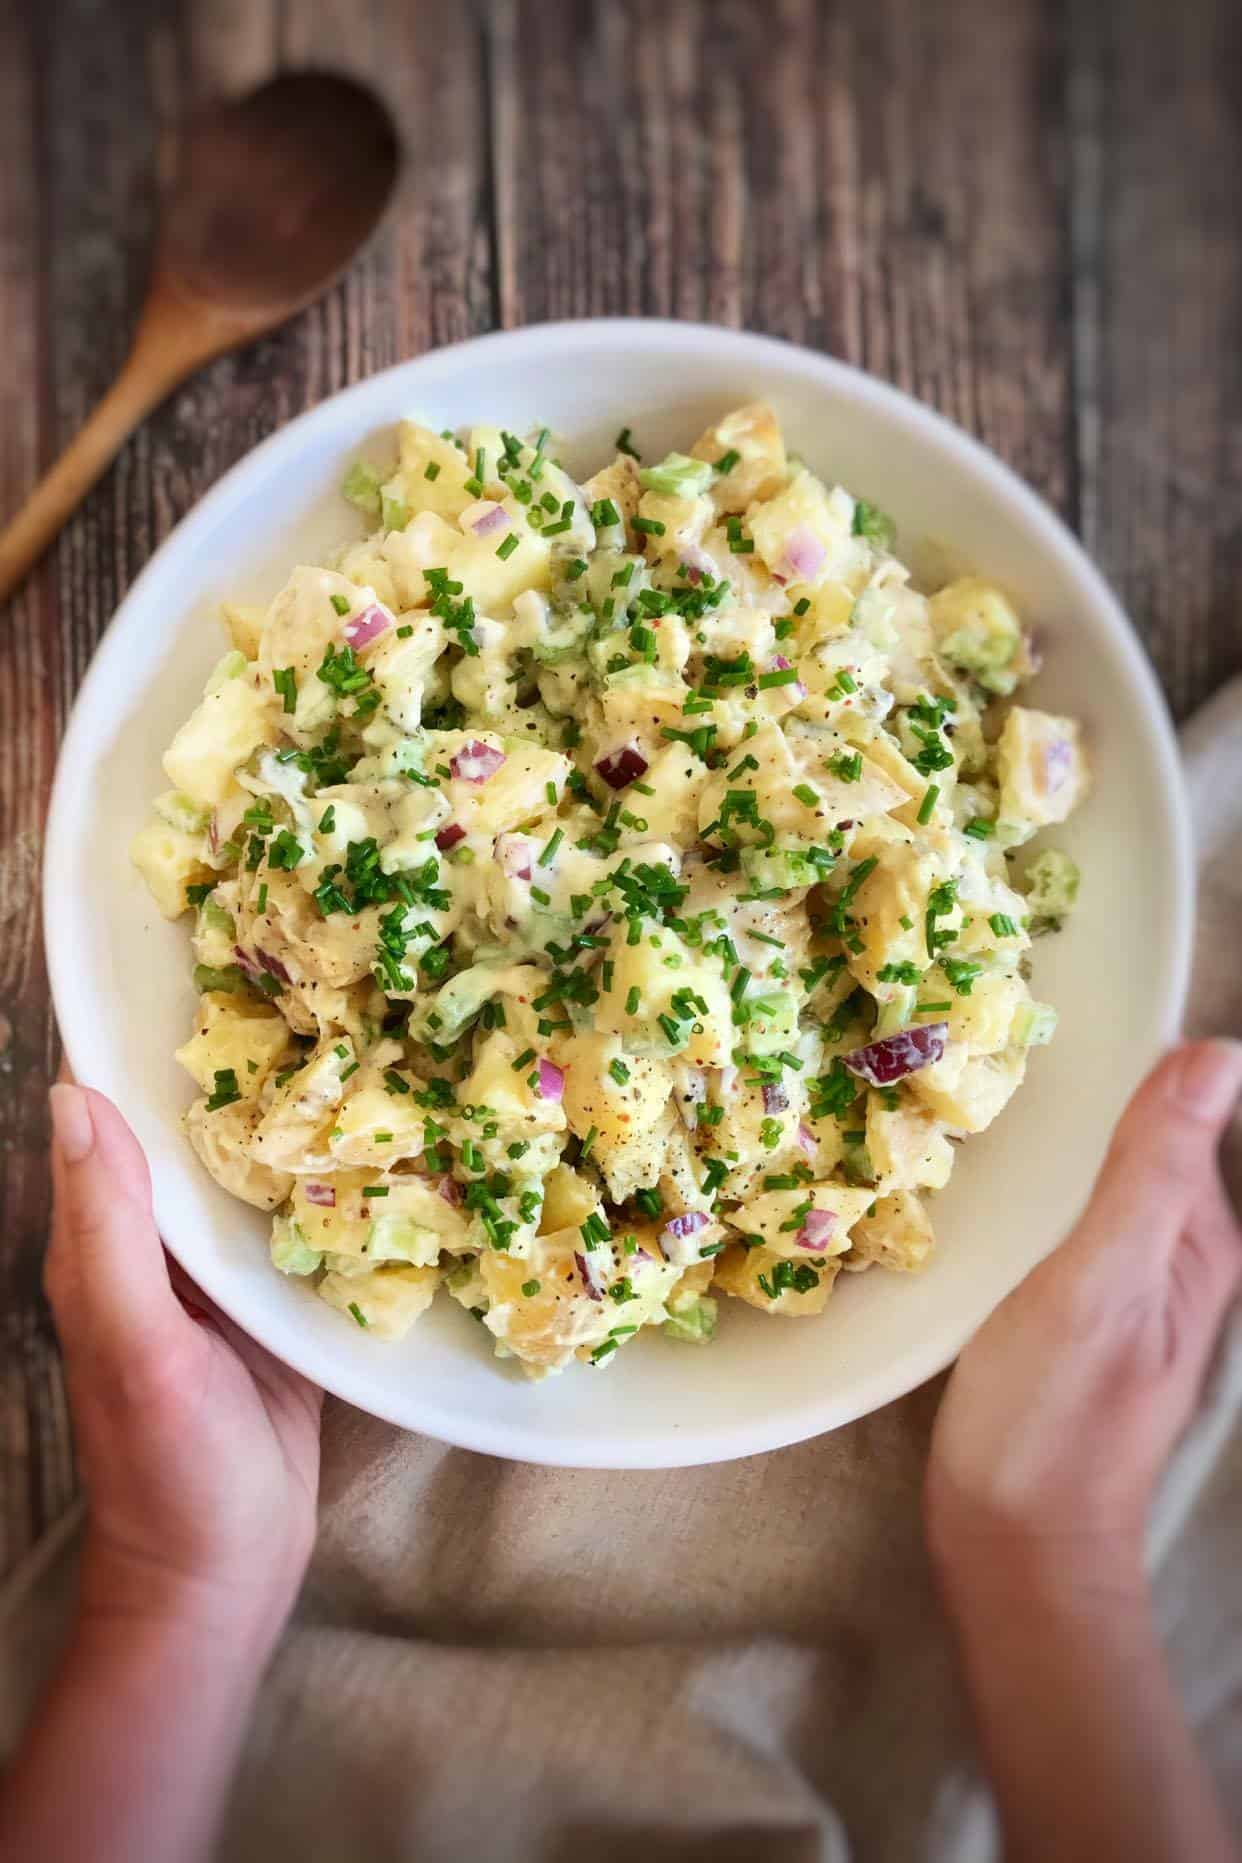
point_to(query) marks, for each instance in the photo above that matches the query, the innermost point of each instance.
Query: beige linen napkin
(509, 1664)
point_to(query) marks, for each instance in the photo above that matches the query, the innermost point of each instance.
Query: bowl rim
(574, 339)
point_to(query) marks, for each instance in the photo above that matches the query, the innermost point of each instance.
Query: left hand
(199, 1451)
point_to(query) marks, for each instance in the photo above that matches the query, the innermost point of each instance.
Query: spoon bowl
(275, 193)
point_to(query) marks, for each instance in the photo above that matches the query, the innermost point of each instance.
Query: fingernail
(72, 1126)
(1211, 1078)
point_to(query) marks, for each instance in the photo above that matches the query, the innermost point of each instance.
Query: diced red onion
(246, 962)
(640, 1254)
(816, 1231)
(551, 1081)
(514, 852)
(491, 521)
(880, 1063)
(807, 1140)
(728, 1083)
(678, 1238)
(781, 663)
(593, 1271)
(213, 831)
(449, 836)
(1057, 759)
(449, 1189)
(322, 1194)
(361, 630)
(775, 1098)
(476, 761)
(804, 554)
(274, 967)
(622, 766)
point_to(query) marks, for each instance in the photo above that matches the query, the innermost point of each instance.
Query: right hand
(1063, 1409)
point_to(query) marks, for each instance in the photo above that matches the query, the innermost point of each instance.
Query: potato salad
(608, 896)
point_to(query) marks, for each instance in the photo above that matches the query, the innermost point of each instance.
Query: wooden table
(1023, 211)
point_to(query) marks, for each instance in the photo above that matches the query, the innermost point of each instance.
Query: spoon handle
(161, 357)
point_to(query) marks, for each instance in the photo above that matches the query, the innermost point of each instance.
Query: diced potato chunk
(218, 737)
(774, 1284)
(1041, 767)
(781, 1218)
(899, 1235)
(169, 860)
(906, 1146)
(982, 1088)
(231, 1033)
(223, 1140)
(385, 1302)
(752, 432)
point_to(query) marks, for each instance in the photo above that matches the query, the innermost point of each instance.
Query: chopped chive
(728, 460)
(650, 527)
(523, 1060)
(550, 846)
(632, 1000)
(432, 470)
(507, 546)
(780, 676)
(930, 798)
(1002, 925)
(805, 794)
(530, 1289)
(375, 1190)
(801, 607)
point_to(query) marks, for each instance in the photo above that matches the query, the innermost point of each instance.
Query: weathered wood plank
(90, 101)
(883, 181)
(1025, 214)
(1157, 152)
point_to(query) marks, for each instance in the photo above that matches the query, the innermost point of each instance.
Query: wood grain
(1026, 214)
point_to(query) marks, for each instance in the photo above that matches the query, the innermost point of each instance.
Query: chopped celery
(232, 666)
(361, 487)
(394, 512)
(228, 979)
(1051, 882)
(290, 1250)
(1034, 1025)
(691, 1318)
(214, 918)
(677, 476)
(182, 812)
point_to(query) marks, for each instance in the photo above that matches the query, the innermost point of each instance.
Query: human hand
(1063, 1409)
(199, 1451)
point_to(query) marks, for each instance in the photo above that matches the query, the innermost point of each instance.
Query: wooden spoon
(275, 194)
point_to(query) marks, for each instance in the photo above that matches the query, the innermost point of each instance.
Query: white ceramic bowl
(121, 976)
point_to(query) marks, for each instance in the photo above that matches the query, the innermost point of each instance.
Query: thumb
(1161, 1165)
(106, 1275)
